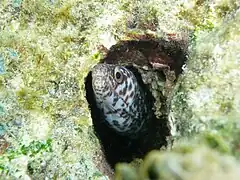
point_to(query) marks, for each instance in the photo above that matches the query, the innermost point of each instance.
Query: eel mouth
(99, 79)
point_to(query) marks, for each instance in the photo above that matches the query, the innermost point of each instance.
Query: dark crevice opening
(118, 148)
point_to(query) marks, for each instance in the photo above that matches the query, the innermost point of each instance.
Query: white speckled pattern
(122, 100)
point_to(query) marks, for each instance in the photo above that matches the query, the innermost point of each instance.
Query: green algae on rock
(208, 89)
(45, 51)
(204, 110)
(201, 163)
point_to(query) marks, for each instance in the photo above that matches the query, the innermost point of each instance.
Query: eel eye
(118, 75)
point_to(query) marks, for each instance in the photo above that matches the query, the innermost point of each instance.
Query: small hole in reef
(119, 148)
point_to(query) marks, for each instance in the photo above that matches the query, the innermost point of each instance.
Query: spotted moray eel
(120, 98)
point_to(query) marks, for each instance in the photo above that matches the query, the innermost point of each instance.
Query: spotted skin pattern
(120, 98)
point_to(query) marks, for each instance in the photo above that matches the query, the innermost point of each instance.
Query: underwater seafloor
(47, 48)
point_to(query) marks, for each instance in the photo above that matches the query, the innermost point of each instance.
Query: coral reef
(46, 50)
(204, 111)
